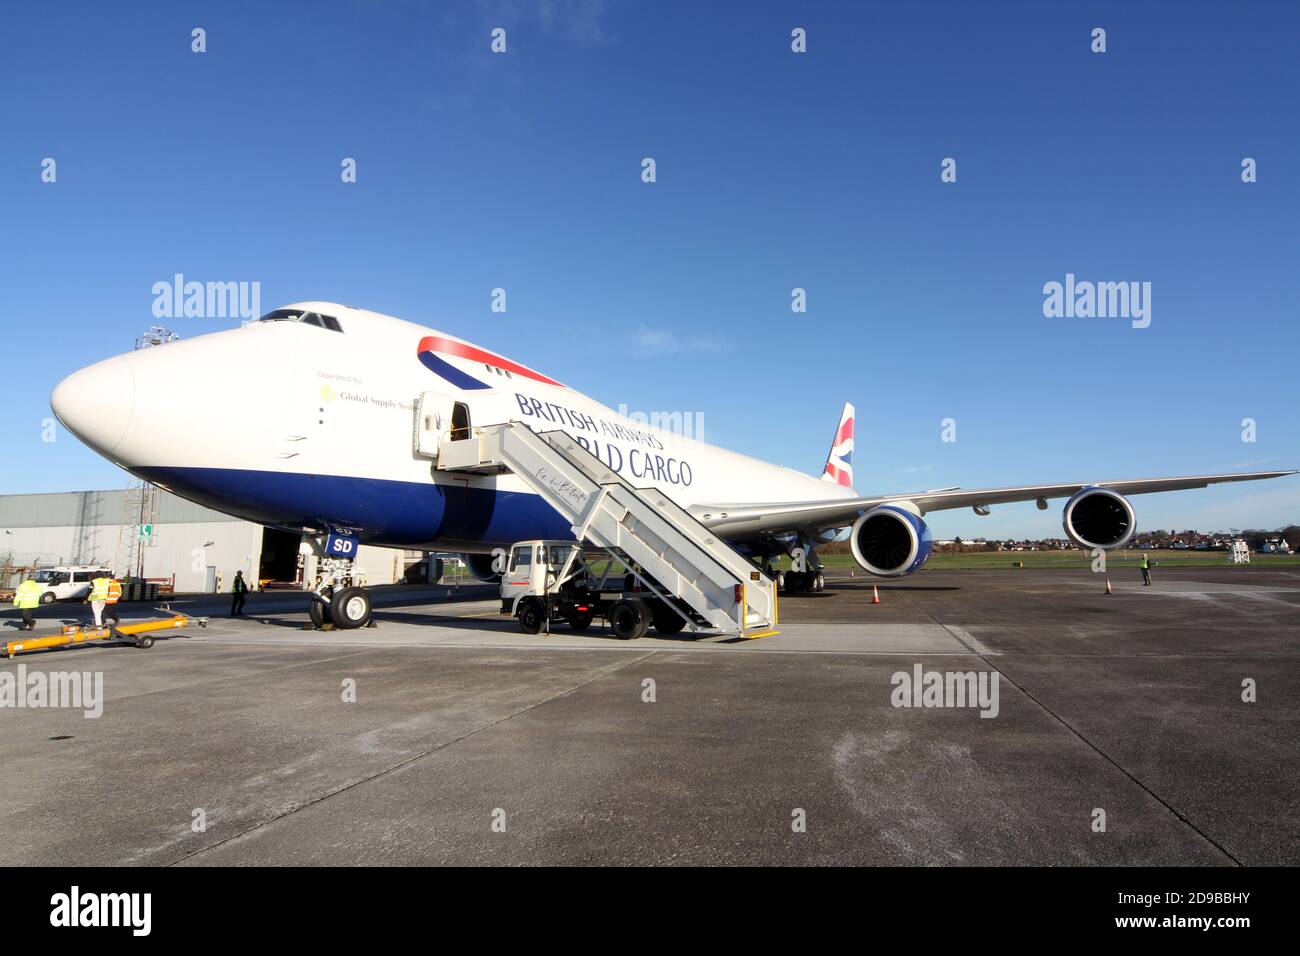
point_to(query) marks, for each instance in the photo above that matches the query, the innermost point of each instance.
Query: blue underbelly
(392, 513)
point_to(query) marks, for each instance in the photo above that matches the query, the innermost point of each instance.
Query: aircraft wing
(742, 520)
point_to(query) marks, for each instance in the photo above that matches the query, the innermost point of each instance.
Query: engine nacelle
(890, 541)
(483, 567)
(1097, 517)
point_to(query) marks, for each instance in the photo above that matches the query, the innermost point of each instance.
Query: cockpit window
(306, 318)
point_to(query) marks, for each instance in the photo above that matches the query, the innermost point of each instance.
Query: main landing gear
(805, 572)
(801, 582)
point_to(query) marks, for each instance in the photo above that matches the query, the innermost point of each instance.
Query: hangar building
(197, 548)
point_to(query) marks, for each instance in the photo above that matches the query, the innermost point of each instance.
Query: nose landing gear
(340, 599)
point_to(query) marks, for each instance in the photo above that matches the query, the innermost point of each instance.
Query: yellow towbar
(137, 633)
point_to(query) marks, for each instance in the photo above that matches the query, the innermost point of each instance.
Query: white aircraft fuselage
(310, 428)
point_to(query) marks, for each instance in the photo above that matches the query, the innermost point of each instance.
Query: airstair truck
(679, 573)
(557, 582)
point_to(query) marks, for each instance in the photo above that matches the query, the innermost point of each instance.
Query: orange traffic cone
(875, 595)
(1108, 590)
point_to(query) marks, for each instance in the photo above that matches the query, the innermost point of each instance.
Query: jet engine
(483, 567)
(890, 541)
(1099, 518)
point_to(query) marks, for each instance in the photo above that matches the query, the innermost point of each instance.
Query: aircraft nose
(96, 403)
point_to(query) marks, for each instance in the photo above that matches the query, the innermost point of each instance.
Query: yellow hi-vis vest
(99, 589)
(28, 594)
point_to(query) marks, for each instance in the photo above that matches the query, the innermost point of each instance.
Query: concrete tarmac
(445, 735)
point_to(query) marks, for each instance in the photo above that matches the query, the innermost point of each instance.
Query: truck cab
(548, 582)
(534, 568)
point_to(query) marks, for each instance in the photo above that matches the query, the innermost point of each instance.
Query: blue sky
(775, 170)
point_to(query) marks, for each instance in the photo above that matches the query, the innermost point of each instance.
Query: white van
(68, 582)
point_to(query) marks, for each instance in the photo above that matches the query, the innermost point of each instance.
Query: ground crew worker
(114, 595)
(238, 589)
(1145, 565)
(98, 597)
(27, 597)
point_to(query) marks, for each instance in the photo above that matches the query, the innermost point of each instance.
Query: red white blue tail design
(839, 463)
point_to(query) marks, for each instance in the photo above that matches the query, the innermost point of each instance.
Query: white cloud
(578, 21)
(662, 342)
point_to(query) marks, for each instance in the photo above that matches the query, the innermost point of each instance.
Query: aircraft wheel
(794, 582)
(530, 615)
(350, 608)
(47, 597)
(629, 620)
(819, 582)
(319, 611)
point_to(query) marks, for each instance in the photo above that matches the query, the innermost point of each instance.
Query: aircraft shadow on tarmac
(884, 587)
(493, 623)
(496, 622)
(378, 616)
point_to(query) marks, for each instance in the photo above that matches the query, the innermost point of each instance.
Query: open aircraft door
(434, 412)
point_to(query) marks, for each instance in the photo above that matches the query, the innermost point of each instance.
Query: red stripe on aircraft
(436, 343)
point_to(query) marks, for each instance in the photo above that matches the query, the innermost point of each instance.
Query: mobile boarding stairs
(641, 527)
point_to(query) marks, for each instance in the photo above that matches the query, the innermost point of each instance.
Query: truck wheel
(530, 615)
(350, 608)
(667, 621)
(47, 597)
(629, 620)
(580, 620)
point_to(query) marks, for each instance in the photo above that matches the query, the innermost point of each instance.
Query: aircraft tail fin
(839, 463)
